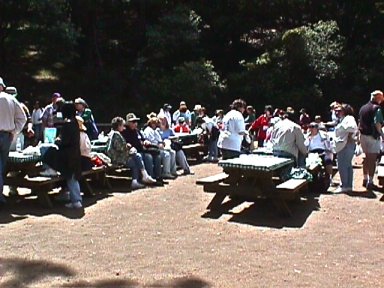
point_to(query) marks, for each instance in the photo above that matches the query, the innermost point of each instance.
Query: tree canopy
(135, 55)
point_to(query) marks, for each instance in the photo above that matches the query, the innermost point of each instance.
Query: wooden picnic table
(251, 177)
(23, 171)
(262, 151)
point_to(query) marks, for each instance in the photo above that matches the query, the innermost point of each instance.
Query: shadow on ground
(24, 273)
(263, 212)
(20, 208)
(17, 272)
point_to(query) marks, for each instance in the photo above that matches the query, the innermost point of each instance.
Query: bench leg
(43, 198)
(88, 191)
(216, 201)
(282, 207)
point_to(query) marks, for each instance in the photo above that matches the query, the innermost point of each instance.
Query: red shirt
(181, 128)
(261, 124)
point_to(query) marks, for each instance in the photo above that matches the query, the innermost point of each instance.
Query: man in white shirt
(288, 140)
(12, 121)
(231, 136)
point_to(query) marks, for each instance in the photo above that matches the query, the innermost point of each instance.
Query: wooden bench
(212, 179)
(288, 190)
(291, 188)
(196, 151)
(380, 175)
(41, 186)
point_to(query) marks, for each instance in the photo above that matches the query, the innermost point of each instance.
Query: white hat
(197, 107)
(11, 90)
(2, 82)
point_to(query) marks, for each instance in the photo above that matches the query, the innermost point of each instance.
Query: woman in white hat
(89, 121)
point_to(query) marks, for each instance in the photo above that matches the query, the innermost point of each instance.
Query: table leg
(43, 198)
(282, 207)
(216, 201)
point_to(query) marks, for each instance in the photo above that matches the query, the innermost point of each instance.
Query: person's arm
(240, 126)
(299, 140)
(20, 118)
(378, 120)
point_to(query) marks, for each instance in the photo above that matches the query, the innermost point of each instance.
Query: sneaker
(148, 180)
(370, 186)
(74, 205)
(49, 173)
(136, 185)
(168, 176)
(340, 190)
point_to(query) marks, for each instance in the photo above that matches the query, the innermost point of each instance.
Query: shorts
(369, 144)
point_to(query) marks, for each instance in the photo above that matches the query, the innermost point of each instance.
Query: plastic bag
(358, 150)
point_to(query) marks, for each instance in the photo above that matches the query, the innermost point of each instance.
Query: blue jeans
(212, 149)
(5, 143)
(135, 162)
(74, 189)
(344, 164)
(152, 164)
(182, 161)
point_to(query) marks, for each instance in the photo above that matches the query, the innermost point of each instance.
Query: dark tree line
(134, 55)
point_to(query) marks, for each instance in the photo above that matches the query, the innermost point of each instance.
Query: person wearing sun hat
(85, 112)
(12, 121)
(168, 156)
(165, 113)
(136, 139)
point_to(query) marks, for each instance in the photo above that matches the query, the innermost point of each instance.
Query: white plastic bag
(358, 150)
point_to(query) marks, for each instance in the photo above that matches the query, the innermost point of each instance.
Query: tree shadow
(104, 283)
(22, 207)
(24, 273)
(183, 282)
(263, 213)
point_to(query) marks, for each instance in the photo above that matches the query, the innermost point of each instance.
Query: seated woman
(85, 146)
(317, 141)
(166, 133)
(168, 156)
(122, 153)
(133, 136)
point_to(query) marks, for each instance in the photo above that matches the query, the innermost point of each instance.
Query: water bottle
(18, 144)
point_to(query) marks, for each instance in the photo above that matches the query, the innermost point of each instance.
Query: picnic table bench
(25, 173)
(251, 177)
(41, 185)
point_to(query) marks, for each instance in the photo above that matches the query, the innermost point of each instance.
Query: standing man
(12, 121)
(370, 125)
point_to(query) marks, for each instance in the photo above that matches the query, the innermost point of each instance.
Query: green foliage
(140, 53)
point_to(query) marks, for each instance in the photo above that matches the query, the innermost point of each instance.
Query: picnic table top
(265, 163)
(19, 157)
(263, 151)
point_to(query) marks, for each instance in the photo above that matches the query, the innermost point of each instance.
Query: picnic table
(23, 171)
(251, 177)
(263, 151)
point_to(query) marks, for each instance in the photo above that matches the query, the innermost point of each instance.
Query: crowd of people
(153, 153)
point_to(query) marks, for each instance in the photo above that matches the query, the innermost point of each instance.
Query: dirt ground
(164, 237)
